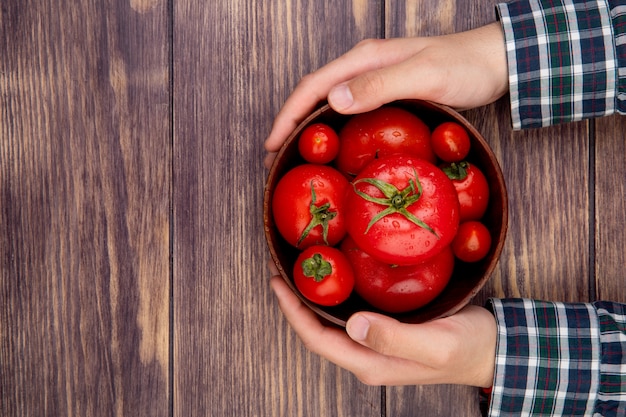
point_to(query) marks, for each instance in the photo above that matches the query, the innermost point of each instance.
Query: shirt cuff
(561, 60)
(611, 398)
(548, 358)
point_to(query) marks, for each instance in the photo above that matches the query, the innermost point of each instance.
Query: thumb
(389, 336)
(370, 90)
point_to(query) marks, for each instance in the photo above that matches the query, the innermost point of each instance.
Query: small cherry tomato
(472, 241)
(318, 143)
(471, 187)
(450, 142)
(324, 275)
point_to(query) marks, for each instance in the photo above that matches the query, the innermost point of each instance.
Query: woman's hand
(382, 351)
(463, 70)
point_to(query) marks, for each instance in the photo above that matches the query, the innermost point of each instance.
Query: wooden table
(133, 278)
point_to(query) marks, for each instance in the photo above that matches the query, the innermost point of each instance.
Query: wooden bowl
(466, 280)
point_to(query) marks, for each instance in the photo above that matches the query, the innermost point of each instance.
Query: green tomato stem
(396, 201)
(316, 267)
(320, 216)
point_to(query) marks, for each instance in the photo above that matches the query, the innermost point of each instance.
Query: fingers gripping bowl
(467, 278)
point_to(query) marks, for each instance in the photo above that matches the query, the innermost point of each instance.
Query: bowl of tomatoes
(401, 210)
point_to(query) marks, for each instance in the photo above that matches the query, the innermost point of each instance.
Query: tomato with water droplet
(398, 289)
(381, 132)
(308, 206)
(403, 210)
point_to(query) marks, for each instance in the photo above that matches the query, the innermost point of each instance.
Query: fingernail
(340, 97)
(358, 327)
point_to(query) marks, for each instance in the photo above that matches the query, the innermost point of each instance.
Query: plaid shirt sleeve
(563, 58)
(559, 359)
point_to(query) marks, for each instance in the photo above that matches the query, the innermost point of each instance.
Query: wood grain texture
(610, 209)
(234, 65)
(84, 209)
(547, 254)
(131, 184)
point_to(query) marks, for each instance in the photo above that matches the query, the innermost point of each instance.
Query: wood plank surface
(234, 65)
(610, 209)
(547, 255)
(133, 265)
(85, 171)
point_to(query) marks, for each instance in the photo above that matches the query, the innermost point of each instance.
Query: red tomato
(403, 210)
(382, 132)
(398, 289)
(323, 275)
(318, 143)
(450, 142)
(308, 205)
(472, 241)
(471, 187)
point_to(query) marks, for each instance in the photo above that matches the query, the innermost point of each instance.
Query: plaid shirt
(559, 359)
(566, 59)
